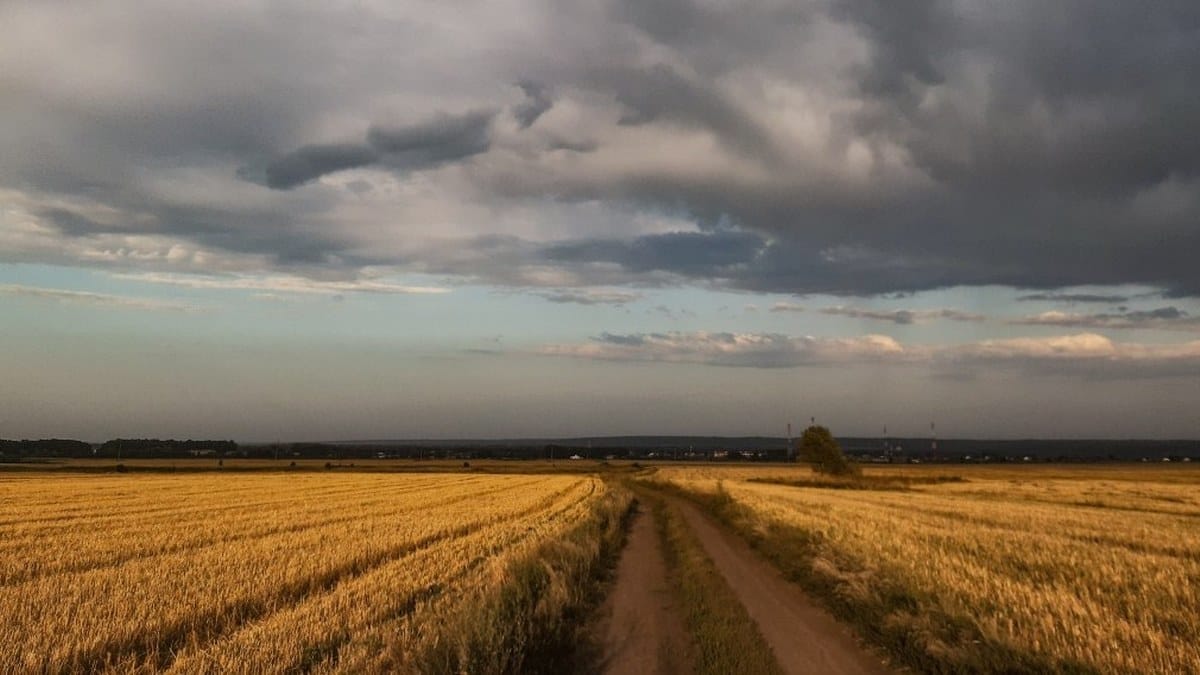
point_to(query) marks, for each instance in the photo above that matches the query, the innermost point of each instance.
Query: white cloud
(1083, 345)
(757, 350)
(1082, 354)
(1163, 318)
(786, 307)
(282, 284)
(98, 299)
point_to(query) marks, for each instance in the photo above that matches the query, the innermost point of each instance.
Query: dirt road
(644, 632)
(804, 637)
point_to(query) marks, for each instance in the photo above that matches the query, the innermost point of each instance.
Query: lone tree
(818, 447)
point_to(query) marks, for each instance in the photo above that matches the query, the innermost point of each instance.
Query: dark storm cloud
(717, 38)
(313, 161)
(1074, 297)
(75, 224)
(692, 254)
(1052, 160)
(1083, 98)
(847, 147)
(905, 40)
(444, 138)
(537, 102)
(662, 94)
(747, 261)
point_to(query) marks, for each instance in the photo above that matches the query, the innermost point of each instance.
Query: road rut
(644, 632)
(804, 637)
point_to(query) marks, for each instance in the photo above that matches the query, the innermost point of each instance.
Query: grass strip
(910, 626)
(726, 640)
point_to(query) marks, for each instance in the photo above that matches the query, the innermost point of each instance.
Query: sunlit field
(1093, 568)
(261, 572)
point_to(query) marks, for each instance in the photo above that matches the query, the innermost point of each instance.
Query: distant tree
(819, 448)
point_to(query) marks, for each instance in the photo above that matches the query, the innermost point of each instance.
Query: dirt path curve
(644, 632)
(804, 637)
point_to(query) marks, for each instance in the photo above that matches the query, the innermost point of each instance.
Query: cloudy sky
(332, 220)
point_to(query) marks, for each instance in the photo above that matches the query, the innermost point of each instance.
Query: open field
(380, 568)
(1084, 569)
(247, 465)
(269, 572)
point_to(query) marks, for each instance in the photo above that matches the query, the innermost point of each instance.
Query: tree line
(117, 447)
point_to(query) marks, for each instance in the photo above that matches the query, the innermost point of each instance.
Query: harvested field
(1028, 569)
(267, 572)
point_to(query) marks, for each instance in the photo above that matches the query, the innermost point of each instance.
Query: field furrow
(297, 637)
(78, 549)
(324, 557)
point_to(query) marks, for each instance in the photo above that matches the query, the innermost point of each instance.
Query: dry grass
(725, 638)
(255, 572)
(1026, 568)
(529, 615)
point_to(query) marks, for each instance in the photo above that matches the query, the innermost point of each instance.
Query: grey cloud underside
(537, 102)
(902, 316)
(662, 94)
(590, 297)
(313, 161)
(1083, 355)
(1074, 298)
(1082, 98)
(1164, 318)
(854, 148)
(1037, 187)
(251, 232)
(702, 255)
(443, 139)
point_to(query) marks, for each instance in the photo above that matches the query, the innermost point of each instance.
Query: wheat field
(1095, 569)
(256, 573)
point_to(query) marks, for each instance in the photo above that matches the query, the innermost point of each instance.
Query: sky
(519, 218)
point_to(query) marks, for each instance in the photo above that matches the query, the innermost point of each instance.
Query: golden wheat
(1096, 569)
(250, 573)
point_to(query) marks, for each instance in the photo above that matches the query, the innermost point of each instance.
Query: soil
(804, 637)
(642, 628)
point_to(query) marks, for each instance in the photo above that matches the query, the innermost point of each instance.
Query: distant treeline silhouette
(122, 447)
(683, 448)
(54, 447)
(153, 447)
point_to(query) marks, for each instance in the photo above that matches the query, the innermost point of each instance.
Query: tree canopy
(819, 448)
